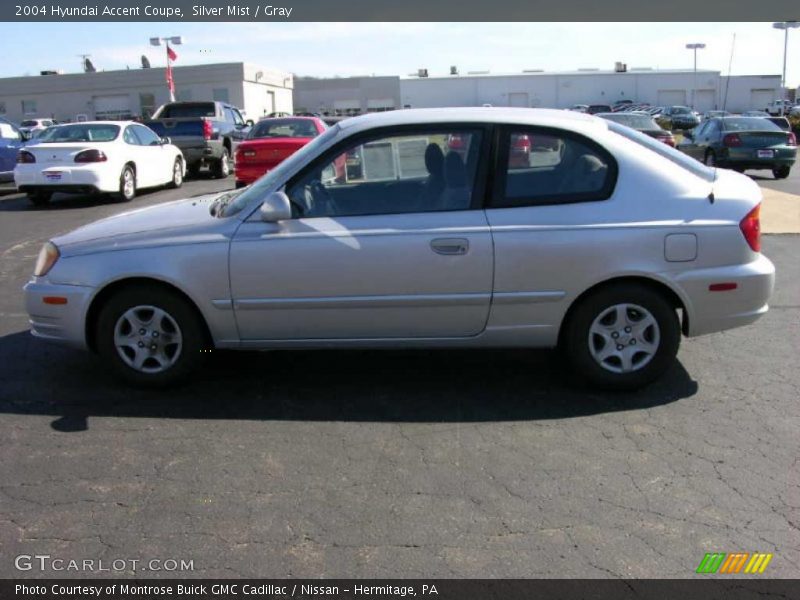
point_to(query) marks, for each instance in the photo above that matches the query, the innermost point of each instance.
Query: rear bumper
(198, 153)
(710, 312)
(745, 158)
(248, 173)
(60, 323)
(33, 178)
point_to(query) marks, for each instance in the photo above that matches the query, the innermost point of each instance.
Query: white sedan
(115, 157)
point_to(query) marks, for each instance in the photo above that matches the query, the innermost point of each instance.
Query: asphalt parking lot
(400, 464)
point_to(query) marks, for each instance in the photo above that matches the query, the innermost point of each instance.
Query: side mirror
(165, 140)
(25, 135)
(249, 122)
(276, 208)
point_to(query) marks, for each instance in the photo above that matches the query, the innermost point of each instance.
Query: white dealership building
(705, 89)
(131, 93)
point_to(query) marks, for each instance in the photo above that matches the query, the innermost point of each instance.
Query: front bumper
(60, 323)
(710, 312)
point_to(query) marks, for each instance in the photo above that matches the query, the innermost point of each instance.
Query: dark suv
(679, 117)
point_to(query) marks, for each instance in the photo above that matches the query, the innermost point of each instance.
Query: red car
(271, 141)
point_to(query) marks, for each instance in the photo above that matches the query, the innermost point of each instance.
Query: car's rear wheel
(40, 198)
(622, 337)
(177, 174)
(149, 336)
(781, 172)
(127, 184)
(710, 159)
(222, 168)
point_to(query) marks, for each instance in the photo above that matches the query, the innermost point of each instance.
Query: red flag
(171, 54)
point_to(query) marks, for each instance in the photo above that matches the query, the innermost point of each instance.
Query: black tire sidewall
(121, 192)
(40, 198)
(192, 334)
(173, 184)
(222, 164)
(577, 334)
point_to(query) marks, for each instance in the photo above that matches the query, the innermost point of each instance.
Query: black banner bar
(720, 588)
(394, 10)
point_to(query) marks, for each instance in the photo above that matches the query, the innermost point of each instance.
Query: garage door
(112, 107)
(671, 97)
(705, 100)
(760, 98)
(518, 99)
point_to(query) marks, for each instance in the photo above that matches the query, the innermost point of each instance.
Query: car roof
(522, 116)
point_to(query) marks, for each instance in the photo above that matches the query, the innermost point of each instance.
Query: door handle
(450, 246)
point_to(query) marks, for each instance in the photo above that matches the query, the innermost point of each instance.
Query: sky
(344, 49)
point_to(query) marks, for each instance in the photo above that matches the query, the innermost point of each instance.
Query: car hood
(180, 221)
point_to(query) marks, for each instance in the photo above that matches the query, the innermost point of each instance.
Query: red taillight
(90, 156)
(208, 129)
(25, 157)
(792, 141)
(751, 228)
(732, 140)
(667, 139)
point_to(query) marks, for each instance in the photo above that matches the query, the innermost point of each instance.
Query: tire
(603, 346)
(177, 175)
(781, 172)
(168, 350)
(222, 168)
(193, 170)
(710, 159)
(127, 184)
(40, 198)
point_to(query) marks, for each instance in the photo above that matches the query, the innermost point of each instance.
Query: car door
(397, 248)
(155, 156)
(538, 212)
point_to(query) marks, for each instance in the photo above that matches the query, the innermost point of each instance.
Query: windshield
(284, 128)
(676, 156)
(259, 188)
(80, 133)
(188, 110)
(749, 124)
(635, 121)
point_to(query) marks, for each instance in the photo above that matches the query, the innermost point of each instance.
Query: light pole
(786, 26)
(694, 47)
(176, 40)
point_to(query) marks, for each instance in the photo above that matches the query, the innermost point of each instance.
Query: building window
(29, 107)
(147, 105)
(184, 96)
(221, 95)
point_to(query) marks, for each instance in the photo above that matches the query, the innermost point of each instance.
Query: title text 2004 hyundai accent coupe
(604, 241)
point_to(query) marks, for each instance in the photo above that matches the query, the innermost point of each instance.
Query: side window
(550, 167)
(237, 117)
(423, 171)
(229, 115)
(130, 137)
(712, 128)
(146, 136)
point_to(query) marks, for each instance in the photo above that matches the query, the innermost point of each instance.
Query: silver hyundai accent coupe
(458, 227)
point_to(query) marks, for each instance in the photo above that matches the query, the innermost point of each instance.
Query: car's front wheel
(622, 337)
(127, 184)
(177, 174)
(781, 172)
(149, 336)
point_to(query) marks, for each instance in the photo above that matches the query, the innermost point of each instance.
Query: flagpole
(172, 81)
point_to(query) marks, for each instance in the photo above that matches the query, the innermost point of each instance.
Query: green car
(741, 143)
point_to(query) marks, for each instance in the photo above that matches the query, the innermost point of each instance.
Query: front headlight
(47, 258)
